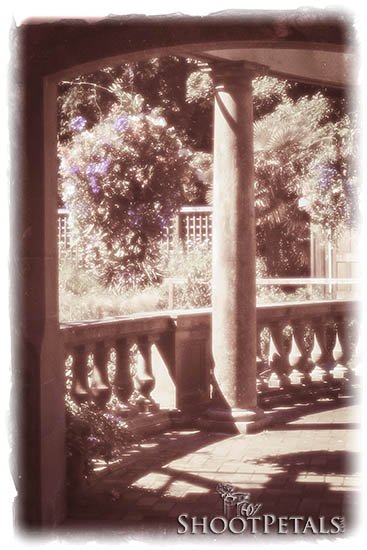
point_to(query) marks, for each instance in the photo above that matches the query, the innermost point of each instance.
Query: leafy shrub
(187, 268)
(83, 297)
(107, 303)
(93, 433)
(187, 271)
(74, 279)
(269, 294)
(122, 181)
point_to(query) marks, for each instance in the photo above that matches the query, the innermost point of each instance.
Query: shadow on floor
(313, 426)
(298, 483)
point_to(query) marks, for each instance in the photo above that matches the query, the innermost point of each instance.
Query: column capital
(235, 73)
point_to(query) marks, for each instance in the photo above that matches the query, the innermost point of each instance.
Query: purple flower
(135, 217)
(94, 185)
(91, 169)
(162, 222)
(78, 123)
(97, 167)
(328, 173)
(74, 169)
(121, 123)
(102, 167)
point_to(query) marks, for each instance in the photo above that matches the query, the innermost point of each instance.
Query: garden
(134, 146)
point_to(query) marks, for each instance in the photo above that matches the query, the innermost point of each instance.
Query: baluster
(144, 381)
(68, 363)
(357, 365)
(261, 361)
(341, 351)
(337, 349)
(273, 380)
(344, 340)
(100, 386)
(259, 354)
(320, 354)
(305, 364)
(298, 354)
(123, 385)
(278, 357)
(80, 385)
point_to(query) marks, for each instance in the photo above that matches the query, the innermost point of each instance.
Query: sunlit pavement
(306, 467)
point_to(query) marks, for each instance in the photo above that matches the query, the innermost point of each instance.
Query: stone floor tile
(147, 501)
(283, 470)
(163, 506)
(133, 517)
(308, 505)
(177, 509)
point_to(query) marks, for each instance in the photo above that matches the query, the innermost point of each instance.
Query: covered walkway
(178, 470)
(305, 466)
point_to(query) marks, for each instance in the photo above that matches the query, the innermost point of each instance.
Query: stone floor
(307, 466)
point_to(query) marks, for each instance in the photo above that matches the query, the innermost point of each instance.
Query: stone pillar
(38, 371)
(234, 246)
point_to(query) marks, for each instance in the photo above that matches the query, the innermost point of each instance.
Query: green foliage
(73, 280)
(110, 303)
(128, 163)
(268, 93)
(304, 142)
(83, 297)
(188, 269)
(201, 164)
(304, 172)
(162, 83)
(199, 88)
(271, 294)
(91, 434)
(285, 142)
(122, 181)
(308, 161)
(333, 187)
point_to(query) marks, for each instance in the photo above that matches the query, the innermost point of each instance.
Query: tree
(161, 81)
(304, 170)
(122, 181)
(295, 150)
(303, 156)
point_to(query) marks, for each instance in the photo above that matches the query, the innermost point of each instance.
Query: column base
(233, 421)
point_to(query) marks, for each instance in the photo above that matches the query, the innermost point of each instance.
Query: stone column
(39, 373)
(234, 247)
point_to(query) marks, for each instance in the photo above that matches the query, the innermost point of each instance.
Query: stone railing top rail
(305, 309)
(156, 323)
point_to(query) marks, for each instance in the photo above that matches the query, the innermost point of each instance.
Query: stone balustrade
(300, 346)
(96, 372)
(305, 345)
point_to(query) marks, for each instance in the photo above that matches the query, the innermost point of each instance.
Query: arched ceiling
(309, 45)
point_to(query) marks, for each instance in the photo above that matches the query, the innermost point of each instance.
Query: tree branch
(89, 84)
